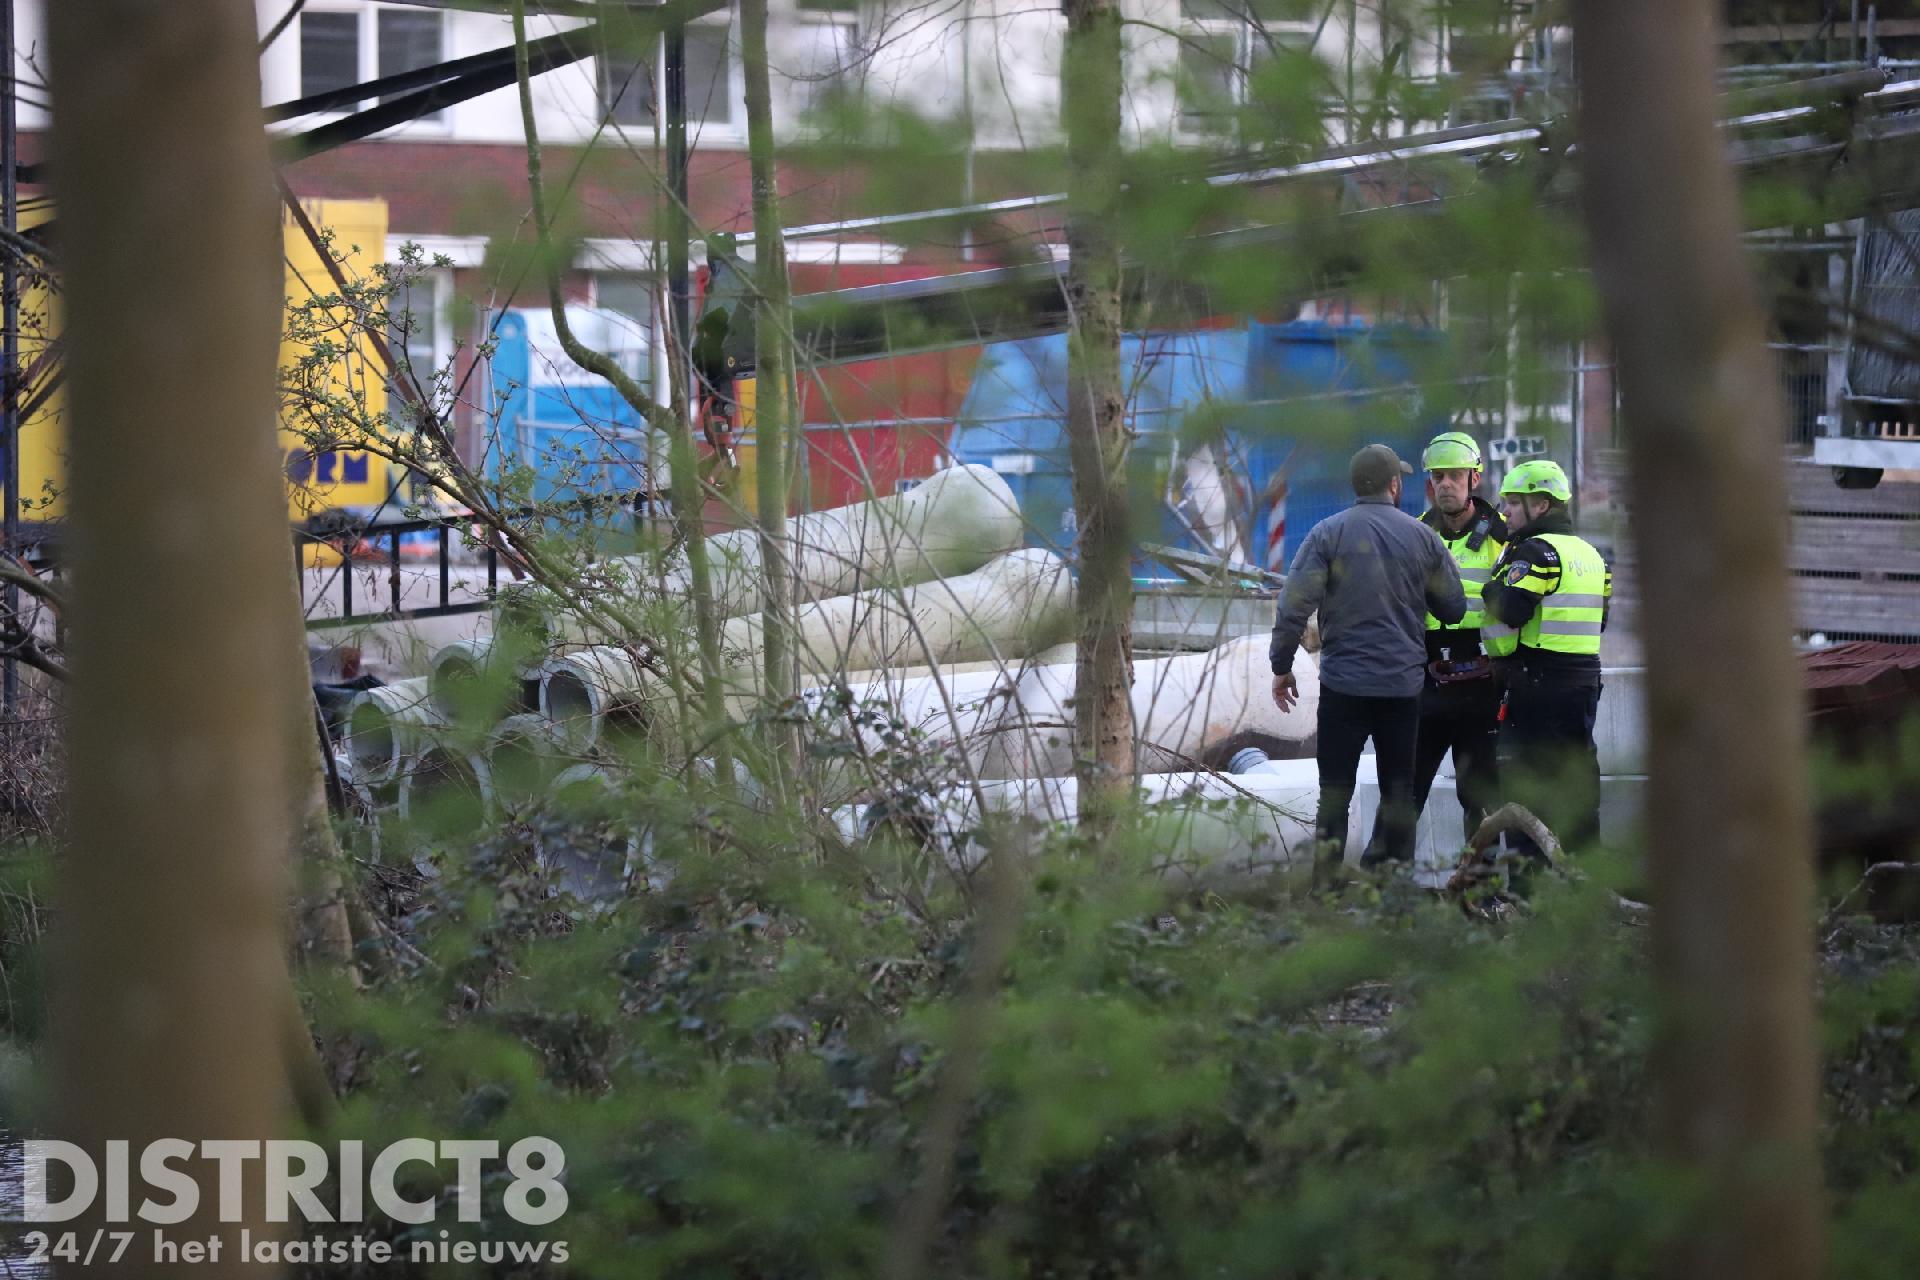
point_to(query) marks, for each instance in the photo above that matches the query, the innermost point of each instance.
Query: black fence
(364, 545)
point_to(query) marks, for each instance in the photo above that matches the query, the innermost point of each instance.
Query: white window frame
(1249, 35)
(369, 54)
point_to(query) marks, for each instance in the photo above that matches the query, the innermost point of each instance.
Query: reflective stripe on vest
(1498, 639)
(1476, 567)
(1573, 608)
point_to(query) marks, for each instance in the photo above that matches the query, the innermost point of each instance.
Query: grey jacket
(1374, 573)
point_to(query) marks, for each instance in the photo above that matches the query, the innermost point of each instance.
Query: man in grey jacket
(1373, 572)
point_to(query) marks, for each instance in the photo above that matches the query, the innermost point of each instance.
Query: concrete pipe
(540, 618)
(387, 725)
(447, 788)
(524, 752)
(1211, 842)
(1439, 836)
(1014, 604)
(592, 692)
(1620, 727)
(596, 871)
(951, 523)
(930, 711)
(460, 670)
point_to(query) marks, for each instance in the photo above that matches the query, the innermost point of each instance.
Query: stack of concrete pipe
(459, 668)
(931, 575)
(955, 521)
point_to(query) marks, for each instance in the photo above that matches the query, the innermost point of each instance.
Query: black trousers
(1346, 722)
(1464, 718)
(1547, 758)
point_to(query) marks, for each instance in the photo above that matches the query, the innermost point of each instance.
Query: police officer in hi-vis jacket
(1553, 589)
(1460, 702)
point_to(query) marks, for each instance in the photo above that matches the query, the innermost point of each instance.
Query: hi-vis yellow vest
(1572, 608)
(1476, 567)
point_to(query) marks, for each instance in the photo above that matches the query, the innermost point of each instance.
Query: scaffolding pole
(10, 347)
(679, 289)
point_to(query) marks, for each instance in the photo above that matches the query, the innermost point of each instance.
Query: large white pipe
(595, 691)
(595, 870)
(524, 752)
(448, 786)
(1196, 708)
(387, 725)
(953, 522)
(1016, 603)
(1052, 655)
(1620, 727)
(1190, 710)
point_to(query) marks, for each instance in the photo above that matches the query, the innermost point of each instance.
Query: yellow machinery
(315, 482)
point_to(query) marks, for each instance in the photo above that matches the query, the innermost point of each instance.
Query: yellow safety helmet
(1539, 476)
(1451, 451)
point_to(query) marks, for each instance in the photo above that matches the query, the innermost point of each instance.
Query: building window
(1223, 45)
(329, 52)
(340, 48)
(627, 292)
(627, 90)
(827, 50)
(710, 74)
(632, 88)
(408, 39)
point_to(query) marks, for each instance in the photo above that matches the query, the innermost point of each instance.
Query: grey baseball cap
(1374, 468)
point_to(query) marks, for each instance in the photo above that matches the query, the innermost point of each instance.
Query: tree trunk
(1729, 831)
(774, 398)
(173, 982)
(1096, 428)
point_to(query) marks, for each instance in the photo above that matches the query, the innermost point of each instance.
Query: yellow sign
(323, 467)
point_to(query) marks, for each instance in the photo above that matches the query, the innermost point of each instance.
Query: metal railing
(348, 540)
